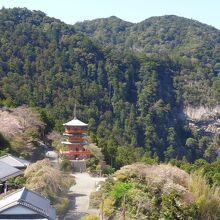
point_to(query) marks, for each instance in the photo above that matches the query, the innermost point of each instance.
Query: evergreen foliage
(131, 100)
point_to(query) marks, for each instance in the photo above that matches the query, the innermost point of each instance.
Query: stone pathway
(79, 195)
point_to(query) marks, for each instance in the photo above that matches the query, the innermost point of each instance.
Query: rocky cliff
(204, 118)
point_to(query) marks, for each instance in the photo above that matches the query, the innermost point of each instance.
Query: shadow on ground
(72, 214)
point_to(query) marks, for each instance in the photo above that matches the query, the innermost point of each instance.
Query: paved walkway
(79, 195)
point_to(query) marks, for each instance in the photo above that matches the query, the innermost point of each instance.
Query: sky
(72, 11)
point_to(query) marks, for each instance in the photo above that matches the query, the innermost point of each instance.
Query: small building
(76, 140)
(26, 204)
(14, 161)
(7, 171)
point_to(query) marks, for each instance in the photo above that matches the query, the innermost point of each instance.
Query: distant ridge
(169, 34)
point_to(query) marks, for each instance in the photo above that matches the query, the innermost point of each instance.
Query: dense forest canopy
(168, 34)
(193, 45)
(131, 98)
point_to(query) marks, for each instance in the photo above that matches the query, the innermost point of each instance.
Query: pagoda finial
(75, 111)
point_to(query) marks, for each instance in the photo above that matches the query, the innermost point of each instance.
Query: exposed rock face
(204, 118)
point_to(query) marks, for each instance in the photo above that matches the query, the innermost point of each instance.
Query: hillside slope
(140, 191)
(168, 34)
(194, 45)
(129, 100)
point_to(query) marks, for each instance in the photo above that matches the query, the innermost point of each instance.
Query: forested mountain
(193, 45)
(165, 35)
(132, 101)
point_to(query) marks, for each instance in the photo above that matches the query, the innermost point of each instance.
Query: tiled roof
(31, 200)
(7, 171)
(75, 122)
(14, 161)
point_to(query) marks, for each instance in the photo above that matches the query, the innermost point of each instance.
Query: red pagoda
(75, 133)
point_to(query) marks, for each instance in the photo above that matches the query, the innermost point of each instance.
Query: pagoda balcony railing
(75, 135)
(75, 130)
(76, 139)
(75, 143)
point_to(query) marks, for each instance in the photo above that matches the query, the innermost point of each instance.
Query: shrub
(108, 170)
(172, 208)
(96, 151)
(108, 206)
(40, 176)
(92, 162)
(149, 192)
(120, 189)
(95, 199)
(3, 152)
(62, 205)
(149, 160)
(207, 197)
(91, 217)
(20, 181)
(66, 165)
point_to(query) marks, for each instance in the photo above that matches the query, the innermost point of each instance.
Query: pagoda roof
(75, 122)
